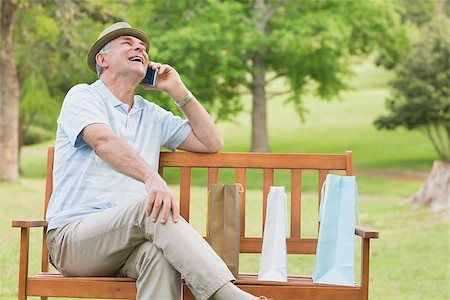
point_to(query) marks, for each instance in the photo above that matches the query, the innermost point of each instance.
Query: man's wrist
(178, 92)
(185, 100)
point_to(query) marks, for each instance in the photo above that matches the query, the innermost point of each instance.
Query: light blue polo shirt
(84, 183)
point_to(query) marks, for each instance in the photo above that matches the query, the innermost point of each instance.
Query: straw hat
(112, 32)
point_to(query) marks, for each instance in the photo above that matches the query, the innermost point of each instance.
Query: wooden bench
(52, 284)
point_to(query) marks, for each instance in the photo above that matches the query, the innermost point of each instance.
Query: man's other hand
(160, 196)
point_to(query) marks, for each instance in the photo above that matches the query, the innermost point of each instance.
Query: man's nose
(139, 47)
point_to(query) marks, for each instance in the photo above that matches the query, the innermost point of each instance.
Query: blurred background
(303, 76)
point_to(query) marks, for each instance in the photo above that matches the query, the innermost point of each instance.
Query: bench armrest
(366, 233)
(29, 224)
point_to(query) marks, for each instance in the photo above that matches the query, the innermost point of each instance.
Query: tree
(221, 47)
(420, 95)
(43, 52)
(420, 100)
(9, 95)
(418, 12)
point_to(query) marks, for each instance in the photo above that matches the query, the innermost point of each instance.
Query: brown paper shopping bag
(224, 223)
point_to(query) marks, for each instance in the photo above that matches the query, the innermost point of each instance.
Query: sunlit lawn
(413, 246)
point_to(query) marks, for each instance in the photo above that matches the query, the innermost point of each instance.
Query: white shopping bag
(273, 263)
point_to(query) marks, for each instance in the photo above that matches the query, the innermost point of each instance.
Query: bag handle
(356, 204)
(323, 204)
(322, 196)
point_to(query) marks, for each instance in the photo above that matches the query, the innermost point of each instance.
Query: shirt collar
(139, 103)
(106, 94)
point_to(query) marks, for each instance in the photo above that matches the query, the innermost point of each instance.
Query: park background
(328, 81)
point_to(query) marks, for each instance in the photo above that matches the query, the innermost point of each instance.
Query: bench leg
(365, 254)
(23, 267)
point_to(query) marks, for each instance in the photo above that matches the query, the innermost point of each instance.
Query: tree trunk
(435, 192)
(9, 97)
(260, 139)
(440, 7)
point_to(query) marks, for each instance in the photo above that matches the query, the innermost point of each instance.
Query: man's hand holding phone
(166, 79)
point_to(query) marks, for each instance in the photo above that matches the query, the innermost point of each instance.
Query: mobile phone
(150, 77)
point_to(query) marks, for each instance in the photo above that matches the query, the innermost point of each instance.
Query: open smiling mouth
(136, 58)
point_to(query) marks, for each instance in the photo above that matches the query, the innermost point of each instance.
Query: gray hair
(104, 50)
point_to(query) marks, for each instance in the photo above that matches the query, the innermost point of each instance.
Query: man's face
(128, 55)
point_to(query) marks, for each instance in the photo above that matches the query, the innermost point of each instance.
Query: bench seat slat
(297, 287)
(82, 287)
(249, 278)
(59, 276)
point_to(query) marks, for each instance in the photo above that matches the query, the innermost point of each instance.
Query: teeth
(136, 59)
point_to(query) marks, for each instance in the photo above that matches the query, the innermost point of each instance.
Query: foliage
(51, 40)
(420, 96)
(309, 43)
(205, 41)
(210, 42)
(417, 12)
(37, 135)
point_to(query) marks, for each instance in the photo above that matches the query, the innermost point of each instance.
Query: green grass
(33, 160)
(21, 201)
(409, 261)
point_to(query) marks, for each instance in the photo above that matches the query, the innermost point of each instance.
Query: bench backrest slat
(255, 160)
(268, 182)
(49, 177)
(185, 191)
(241, 178)
(296, 198)
(213, 175)
(48, 193)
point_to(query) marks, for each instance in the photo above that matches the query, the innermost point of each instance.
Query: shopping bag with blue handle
(336, 244)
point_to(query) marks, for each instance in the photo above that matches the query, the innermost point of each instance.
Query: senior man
(110, 213)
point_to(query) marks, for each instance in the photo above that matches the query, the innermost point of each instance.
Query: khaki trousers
(122, 241)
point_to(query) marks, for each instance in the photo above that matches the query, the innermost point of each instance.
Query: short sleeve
(174, 130)
(81, 107)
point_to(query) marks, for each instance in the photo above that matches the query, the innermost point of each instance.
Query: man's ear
(100, 59)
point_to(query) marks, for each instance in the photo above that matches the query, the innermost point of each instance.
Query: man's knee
(153, 260)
